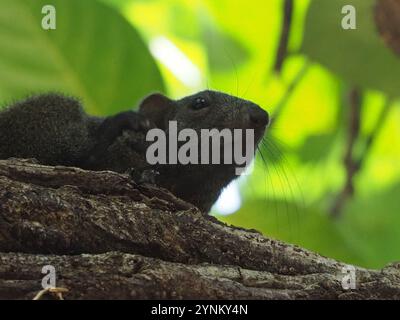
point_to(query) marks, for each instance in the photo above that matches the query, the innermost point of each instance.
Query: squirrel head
(205, 110)
(201, 184)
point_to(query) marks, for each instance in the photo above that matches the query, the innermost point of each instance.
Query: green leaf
(225, 53)
(183, 20)
(359, 56)
(316, 148)
(371, 224)
(94, 54)
(118, 3)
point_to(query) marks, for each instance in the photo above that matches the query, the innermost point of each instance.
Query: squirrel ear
(156, 108)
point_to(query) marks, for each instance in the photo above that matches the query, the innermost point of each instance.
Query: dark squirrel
(55, 130)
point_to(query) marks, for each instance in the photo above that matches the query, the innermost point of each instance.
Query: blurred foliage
(348, 53)
(231, 46)
(94, 54)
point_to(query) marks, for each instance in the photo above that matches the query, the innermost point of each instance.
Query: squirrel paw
(113, 127)
(129, 120)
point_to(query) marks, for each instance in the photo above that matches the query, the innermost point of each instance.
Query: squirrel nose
(258, 116)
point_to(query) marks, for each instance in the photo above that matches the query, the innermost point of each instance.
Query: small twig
(353, 165)
(349, 163)
(57, 292)
(376, 130)
(285, 35)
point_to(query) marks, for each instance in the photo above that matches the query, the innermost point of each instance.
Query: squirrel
(54, 129)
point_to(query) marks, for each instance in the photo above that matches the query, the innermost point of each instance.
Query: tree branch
(387, 20)
(285, 35)
(353, 164)
(116, 275)
(110, 238)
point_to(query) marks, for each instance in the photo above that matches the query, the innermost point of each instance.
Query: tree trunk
(110, 238)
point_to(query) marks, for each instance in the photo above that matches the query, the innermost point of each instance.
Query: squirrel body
(55, 130)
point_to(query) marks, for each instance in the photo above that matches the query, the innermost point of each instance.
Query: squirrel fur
(55, 130)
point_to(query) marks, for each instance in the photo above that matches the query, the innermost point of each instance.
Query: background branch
(285, 35)
(353, 163)
(351, 166)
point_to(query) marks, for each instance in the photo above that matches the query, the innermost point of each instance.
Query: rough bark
(110, 238)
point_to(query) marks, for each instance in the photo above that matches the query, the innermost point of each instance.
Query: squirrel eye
(199, 103)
